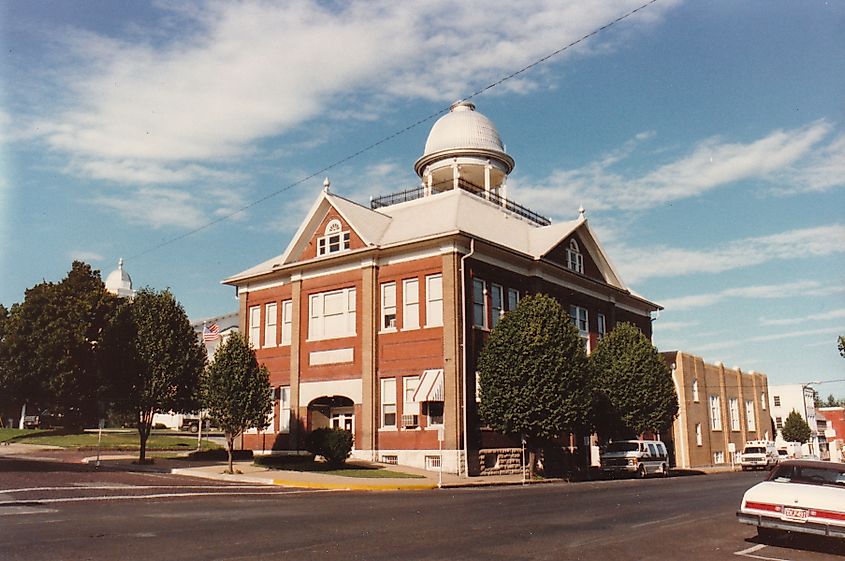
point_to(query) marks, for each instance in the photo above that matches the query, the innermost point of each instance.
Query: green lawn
(349, 470)
(127, 440)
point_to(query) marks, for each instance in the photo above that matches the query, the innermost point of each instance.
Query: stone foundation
(500, 461)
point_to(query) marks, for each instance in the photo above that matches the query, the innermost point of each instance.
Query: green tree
(634, 392)
(155, 358)
(236, 391)
(795, 428)
(842, 346)
(533, 375)
(49, 346)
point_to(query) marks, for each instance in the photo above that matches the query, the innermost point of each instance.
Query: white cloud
(765, 339)
(823, 316)
(157, 207)
(636, 264)
(769, 291)
(240, 72)
(85, 255)
(711, 164)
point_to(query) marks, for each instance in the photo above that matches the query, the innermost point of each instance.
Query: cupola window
(335, 239)
(574, 259)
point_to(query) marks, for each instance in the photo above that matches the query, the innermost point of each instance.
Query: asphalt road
(52, 511)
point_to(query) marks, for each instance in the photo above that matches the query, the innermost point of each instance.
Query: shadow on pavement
(803, 542)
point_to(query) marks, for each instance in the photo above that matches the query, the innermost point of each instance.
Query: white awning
(430, 387)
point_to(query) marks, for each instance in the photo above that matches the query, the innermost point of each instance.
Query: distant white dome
(119, 282)
(463, 132)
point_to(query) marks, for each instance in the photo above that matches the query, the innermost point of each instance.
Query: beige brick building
(718, 407)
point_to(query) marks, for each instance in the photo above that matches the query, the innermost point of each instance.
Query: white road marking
(758, 547)
(660, 521)
(116, 487)
(160, 496)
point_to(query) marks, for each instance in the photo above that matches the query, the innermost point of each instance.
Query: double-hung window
(479, 303)
(284, 409)
(496, 304)
(433, 300)
(271, 319)
(749, 415)
(733, 407)
(601, 326)
(580, 319)
(409, 406)
(388, 402)
(715, 413)
(388, 306)
(332, 314)
(698, 437)
(410, 304)
(513, 299)
(695, 390)
(574, 259)
(255, 326)
(287, 321)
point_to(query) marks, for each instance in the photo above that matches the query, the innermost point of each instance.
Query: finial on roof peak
(326, 184)
(582, 212)
(120, 263)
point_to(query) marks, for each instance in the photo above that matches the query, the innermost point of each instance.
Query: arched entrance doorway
(335, 411)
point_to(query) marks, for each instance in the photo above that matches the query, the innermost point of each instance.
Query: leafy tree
(155, 359)
(795, 428)
(634, 392)
(842, 346)
(49, 345)
(831, 401)
(235, 390)
(533, 375)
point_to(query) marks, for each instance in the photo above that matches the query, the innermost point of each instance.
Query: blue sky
(706, 141)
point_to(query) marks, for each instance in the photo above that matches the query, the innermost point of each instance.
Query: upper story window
(715, 413)
(695, 390)
(270, 322)
(388, 306)
(255, 327)
(410, 304)
(287, 321)
(334, 240)
(479, 303)
(433, 300)
(574, 259)
(733, 408)
(763, 401)
(580, 319)
(513, 299)
(332, 314)
(601, 326)
(776, 399)
(749, 415)
(496, 304)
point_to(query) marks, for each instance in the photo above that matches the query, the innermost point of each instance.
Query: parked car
(802, 496)
(758, 454)
(635, 457)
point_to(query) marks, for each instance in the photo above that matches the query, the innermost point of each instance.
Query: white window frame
(763, 401)
(699, 439)
(581, 319)
(574, 257)
(271, 417)
(388, 402)
(750, 423)
(776, 400)
(284, 409)
(271, 321)
(409, 387)
(718, 457)
(317, 316)
(335, 239)
(715, 412)
(733, 409)
(497, 304)
(388, 306)
(513, 299)
(411, 304)
(434, 300)
(255, 326)
(601, 326)
(695, 396)
(287, 322)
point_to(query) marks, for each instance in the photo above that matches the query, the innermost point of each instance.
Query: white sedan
(798, 496)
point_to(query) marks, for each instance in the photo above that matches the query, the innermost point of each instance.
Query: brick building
(373, 317)
(718, 407)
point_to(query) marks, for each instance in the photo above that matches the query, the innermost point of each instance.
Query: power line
(389, 137)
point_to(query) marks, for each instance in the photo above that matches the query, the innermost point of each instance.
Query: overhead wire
(389, 137)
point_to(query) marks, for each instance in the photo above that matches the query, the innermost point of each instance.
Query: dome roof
(119, 282)
(463, 131)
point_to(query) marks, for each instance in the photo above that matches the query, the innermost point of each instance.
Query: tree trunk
(145, 425)
(532, 462)
(230, 443)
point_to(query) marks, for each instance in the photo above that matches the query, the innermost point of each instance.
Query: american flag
(210, 332)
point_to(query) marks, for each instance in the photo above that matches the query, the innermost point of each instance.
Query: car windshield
(813, 475)
(755, 450)
(623, 447)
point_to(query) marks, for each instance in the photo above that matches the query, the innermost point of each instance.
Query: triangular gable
(596, 262)
(364, 224)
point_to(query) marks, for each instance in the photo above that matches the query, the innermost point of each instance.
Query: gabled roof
(450, 212)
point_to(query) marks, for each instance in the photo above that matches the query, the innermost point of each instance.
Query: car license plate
(797, 514)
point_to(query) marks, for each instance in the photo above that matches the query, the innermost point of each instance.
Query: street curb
(355, 486)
